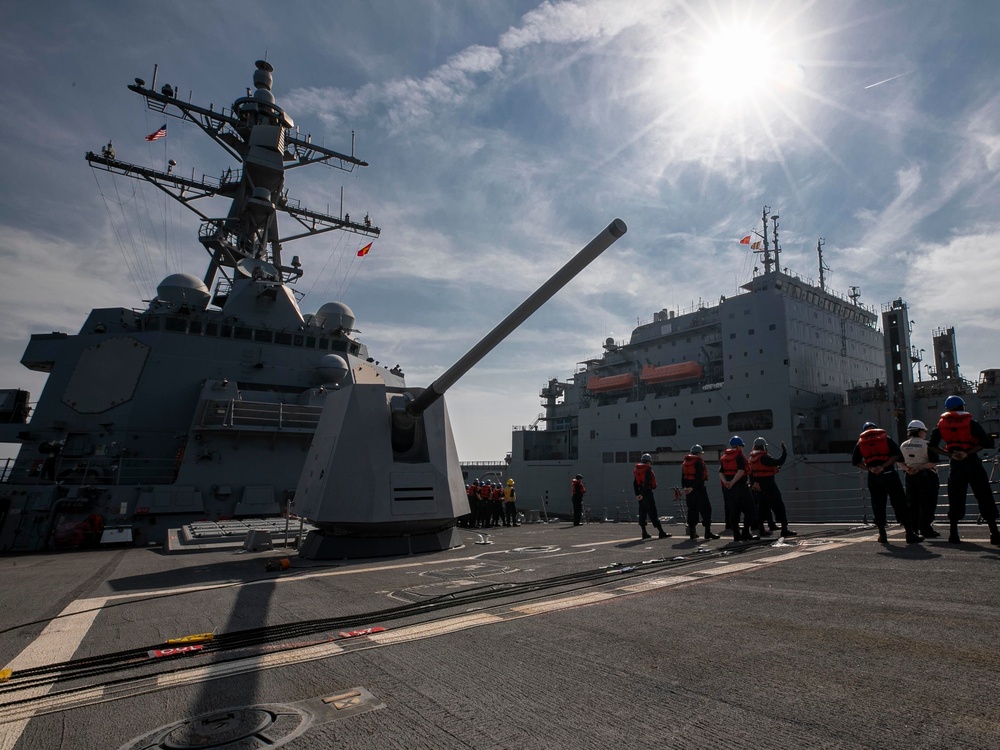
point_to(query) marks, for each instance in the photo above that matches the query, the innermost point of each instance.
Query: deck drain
(250, 727)
(245, 728)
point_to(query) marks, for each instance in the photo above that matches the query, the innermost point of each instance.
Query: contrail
(885, 81)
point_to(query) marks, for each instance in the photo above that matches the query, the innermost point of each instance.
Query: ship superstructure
(203, 404)
(785, 359)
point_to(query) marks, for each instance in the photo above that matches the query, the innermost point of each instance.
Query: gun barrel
(559, 279)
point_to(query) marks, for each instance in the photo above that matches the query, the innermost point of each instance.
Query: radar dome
(334, 315)
(332, 368)
(183, 289)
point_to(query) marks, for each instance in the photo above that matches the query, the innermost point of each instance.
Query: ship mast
(263, 139)
(822, 266)
(766, 250)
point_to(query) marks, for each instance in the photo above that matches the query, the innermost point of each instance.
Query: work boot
(953, 536)
(883, 539)
(645, 534)
(663, 534)
(785, 532)
(692, 534)
(913, 538)
(930, 533)
(994, 533)
(709, 534)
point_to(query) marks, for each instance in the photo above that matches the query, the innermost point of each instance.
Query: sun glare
(735, 64)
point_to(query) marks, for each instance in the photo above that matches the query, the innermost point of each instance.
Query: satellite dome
(334, 315)
(332, 368)
(183, 289)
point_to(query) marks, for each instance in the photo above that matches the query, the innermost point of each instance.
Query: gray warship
(787, 358)
(202, 405)
(222, 400)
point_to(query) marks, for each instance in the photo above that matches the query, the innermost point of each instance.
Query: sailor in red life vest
(736, 492)
(643, 483)
(694, 474)
(762, 469)
(964, 437)
(878, 454)
(921, 478)
(577, 488)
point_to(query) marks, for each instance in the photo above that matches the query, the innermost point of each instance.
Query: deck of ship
(550, 636)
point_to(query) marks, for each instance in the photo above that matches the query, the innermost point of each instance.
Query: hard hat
(916, 424)
(475, 482)
(510, 481)
(646, 458)
(954, 402)
(579, 476)
(696, 449)
(868, 426)
(735, 440)
(759, 443)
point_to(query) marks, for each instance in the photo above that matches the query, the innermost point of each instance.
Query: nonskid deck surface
(549, 636)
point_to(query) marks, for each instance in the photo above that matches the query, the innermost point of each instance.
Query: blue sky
(502, 136)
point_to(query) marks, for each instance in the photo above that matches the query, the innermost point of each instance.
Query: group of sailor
(491, 504)
(956, 435)
(749, 491)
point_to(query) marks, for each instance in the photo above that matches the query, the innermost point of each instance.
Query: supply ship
(786, 359)
(203, 404)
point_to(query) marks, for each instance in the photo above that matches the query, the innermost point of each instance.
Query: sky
(503, 135)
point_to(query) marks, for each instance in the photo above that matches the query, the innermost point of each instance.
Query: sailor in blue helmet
(963, 438)
(736, 491)
(643, 483)
(878, 454)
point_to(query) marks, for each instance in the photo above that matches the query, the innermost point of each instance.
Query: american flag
(161, 133)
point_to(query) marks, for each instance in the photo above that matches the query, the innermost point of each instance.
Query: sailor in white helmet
(921, 460)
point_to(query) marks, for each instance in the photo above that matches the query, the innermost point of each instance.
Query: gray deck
(833, 641)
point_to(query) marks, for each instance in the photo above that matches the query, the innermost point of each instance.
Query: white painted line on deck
(57, 643)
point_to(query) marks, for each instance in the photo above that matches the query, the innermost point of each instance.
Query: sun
(735, 64)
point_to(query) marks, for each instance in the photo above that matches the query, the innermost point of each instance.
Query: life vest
(577, 487)
(485, 491)
(730, 461)
(693, 468)
(874, 445)
(915, 452)
(956, 429)
(643, 473)
(472, 491)
(758, 468)
(508, 494)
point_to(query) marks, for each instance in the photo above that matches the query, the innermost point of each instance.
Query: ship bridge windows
(750, 421)
(663, 427)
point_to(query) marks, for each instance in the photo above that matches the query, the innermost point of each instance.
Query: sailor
(473, 494)
(465, 521)
(694, 474)
(762, 468)
(643, 483)
(878, 454)
(496, 502)
(509, 504)
(578, 490)
(921, 478)
(736, 492)
(964, 437)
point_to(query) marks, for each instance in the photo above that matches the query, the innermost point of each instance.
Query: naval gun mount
(382, 475)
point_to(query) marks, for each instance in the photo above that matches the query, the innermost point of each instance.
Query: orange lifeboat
(670, 373)
(611, 383)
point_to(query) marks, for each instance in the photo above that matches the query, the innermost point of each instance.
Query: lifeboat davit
(670, 373)
(610, 383)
